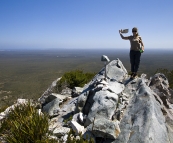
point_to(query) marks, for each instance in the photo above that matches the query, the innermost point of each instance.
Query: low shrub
(25, 125)
(74, 78)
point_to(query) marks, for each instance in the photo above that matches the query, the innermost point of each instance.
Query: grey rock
(48, 91)
(61, 131)
(104, 128)
(77, 137)
(52, 108)
(160, 80)
(64, 138)
(81, 117)
(120, 110)
(143, 120)
(60, 96)
(116, 70)
(53, 96)
(66, 91)
(88, 136)
(67, 110)
(159, 84)
(171, 98)
(75, 117)
(103, 107)
(53, 124)
(115, 87)
(53, 137)
(82, 100)
(76, 91)
(12, 107)
(77, 128)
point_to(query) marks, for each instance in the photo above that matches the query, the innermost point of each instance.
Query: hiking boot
(131, 75)
(135, 75)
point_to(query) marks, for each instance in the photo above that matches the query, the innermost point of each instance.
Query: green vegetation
(2, 109)
(74, 78)
(25, 125)
(27, 74)
(168, 74)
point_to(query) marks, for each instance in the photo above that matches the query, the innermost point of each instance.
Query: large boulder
(104, 105)
(143, 120)
(116, 70)
(51, 103)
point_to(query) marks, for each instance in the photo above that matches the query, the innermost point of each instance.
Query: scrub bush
(73, 79)
(24, 125)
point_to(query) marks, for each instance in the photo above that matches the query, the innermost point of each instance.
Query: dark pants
(134, 60)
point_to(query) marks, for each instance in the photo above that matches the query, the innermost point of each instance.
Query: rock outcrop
(116, 109)
(112, 108)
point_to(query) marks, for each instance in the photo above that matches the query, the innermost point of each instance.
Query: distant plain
(28, 73)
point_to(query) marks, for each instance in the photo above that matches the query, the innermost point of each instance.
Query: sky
(84, 24)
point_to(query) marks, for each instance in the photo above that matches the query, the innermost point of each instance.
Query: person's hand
(141, 51)
(142, 48)
(120, 31)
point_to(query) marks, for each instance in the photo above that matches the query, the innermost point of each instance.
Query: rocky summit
(112, 108)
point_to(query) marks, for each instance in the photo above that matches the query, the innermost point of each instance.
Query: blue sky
(84, 23)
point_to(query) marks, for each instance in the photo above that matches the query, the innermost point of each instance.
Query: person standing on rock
(137, 47)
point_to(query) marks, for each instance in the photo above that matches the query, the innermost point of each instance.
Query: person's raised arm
(125, 38)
